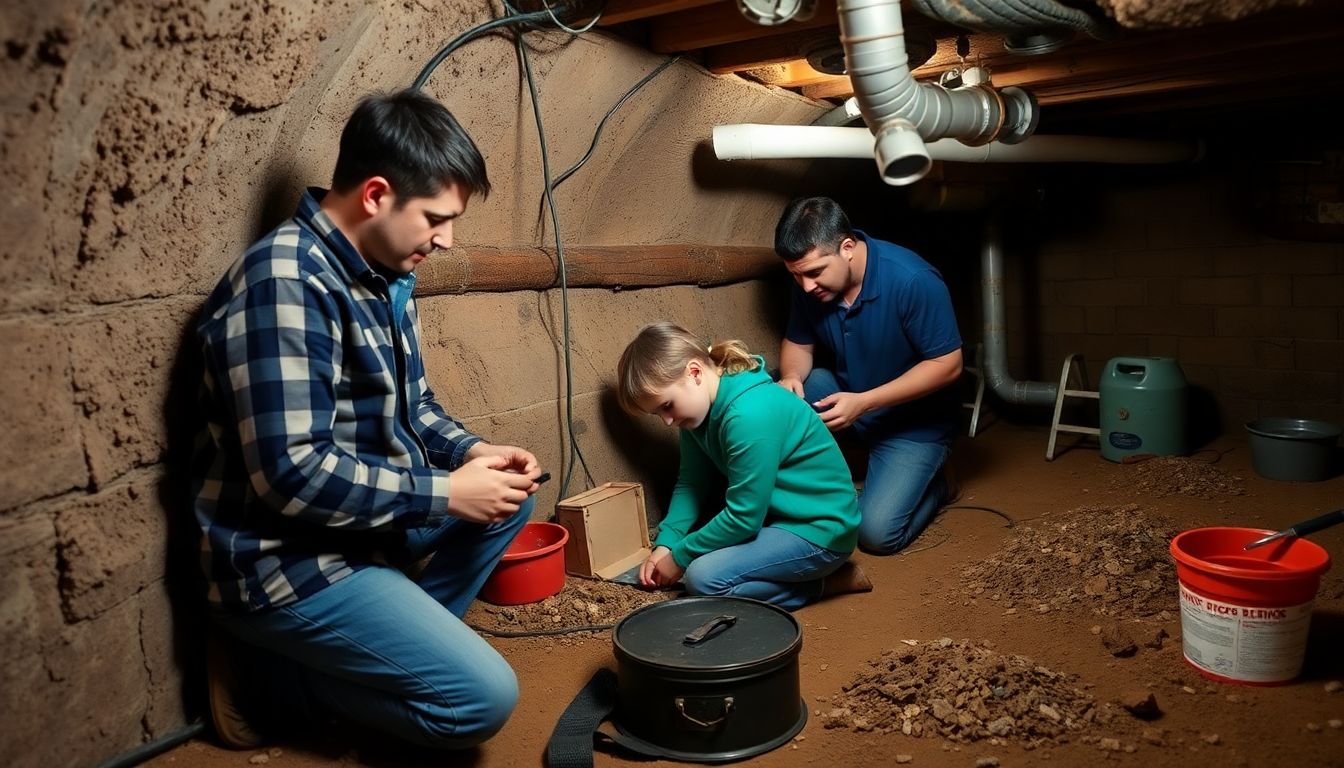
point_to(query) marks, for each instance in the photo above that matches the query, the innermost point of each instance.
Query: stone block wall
(1177, 264)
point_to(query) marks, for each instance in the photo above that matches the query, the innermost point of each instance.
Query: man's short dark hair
(412, 141)
(810, 222)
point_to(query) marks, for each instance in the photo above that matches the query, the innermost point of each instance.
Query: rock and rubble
(1177, 476)
(1113, 560)
(965, 691)
(580, 603)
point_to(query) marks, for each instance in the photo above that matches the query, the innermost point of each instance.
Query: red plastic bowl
(533, 567)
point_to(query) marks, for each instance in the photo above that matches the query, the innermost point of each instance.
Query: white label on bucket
(1255, 645)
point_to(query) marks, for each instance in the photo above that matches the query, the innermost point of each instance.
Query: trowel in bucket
(1302, 529)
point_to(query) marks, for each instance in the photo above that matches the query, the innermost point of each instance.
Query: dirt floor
(1055, 640)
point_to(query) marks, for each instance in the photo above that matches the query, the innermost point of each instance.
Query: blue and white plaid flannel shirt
(324, 441)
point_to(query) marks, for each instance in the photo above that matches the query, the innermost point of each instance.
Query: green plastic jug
(1143, 407)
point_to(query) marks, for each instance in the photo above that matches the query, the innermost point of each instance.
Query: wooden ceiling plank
(799, 73)
(764, 51)
(721, 23)
(833, 90)
(621, 11)
(1226, 79)
(1135, 84)
(1203, 100)
(790, 74)
(1281, 40)
(1139, 55)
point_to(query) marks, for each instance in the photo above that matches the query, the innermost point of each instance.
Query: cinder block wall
(145, 145)
(1179, 263)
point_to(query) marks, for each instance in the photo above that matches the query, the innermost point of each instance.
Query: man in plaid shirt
(327, 465)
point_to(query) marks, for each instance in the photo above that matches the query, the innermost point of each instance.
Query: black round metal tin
(708, 679)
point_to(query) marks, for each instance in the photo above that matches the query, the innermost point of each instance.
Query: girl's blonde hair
(659, 354)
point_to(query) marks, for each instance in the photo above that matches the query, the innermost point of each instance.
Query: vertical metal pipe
(996, 373)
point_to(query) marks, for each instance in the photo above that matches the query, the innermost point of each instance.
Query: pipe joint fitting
(1021, 114)
(901, 155)
(991, 114)
(902, 113)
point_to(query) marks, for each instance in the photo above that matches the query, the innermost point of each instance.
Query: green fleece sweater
(782, 466)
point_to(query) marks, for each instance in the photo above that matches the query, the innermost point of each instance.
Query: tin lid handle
(709, 629)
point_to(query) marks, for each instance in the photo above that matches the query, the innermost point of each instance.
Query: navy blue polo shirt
(902, 316)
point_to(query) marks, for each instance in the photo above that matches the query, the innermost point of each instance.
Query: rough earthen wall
(145, 143)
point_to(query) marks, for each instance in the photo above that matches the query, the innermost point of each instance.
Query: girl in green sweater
(789, 518)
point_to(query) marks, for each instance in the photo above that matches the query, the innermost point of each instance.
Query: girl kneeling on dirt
(789, 518)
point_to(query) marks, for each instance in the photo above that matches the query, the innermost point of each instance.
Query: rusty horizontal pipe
(467, 269)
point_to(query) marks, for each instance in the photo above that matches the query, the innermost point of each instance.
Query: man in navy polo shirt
(880, 317)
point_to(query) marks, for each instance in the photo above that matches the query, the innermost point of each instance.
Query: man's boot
(232, 698)
(846, 579)
(952, 484)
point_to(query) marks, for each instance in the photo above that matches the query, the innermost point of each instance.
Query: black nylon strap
(572, 741)
(571, 744)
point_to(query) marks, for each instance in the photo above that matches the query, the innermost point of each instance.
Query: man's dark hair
(412, 141)
(810, 222)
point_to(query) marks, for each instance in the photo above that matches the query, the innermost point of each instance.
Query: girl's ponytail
(658, 356)
(731, 356)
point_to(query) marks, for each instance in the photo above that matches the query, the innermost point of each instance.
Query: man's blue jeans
(379, 649)
(776, 566)
(903, 489)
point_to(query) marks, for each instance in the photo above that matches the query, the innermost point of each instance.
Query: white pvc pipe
(747, 141)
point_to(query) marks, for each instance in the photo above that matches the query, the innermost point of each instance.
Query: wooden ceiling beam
(1166, 61)
(467, 268)
(764, 51)
(1213, 103)
(621, 11)
(1226, 75)
(721, 23)
(1228, 79)
(791, 74)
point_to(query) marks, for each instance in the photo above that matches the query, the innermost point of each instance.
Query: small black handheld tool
(1302, 529)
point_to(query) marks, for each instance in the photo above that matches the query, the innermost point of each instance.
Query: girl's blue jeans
(379, 649)
(776, 566)
(903, 489)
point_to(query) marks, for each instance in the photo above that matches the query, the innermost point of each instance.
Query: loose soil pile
(1112, 559)
(581, 603)
(1173, 476)
(964, 692)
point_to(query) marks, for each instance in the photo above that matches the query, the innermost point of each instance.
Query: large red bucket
(533, 567)
(1245, 614)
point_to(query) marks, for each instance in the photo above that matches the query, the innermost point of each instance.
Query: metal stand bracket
(978, 371)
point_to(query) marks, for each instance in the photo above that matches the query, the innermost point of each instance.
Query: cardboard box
(608, 532)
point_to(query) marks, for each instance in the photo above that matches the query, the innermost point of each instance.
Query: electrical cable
(597, 134)
(562, 25)
(945, 535)
(534, 18)
(541, 632)
(549, 202)
(574, 451)
(152, 749)
(934, 528)
(977, 508)
(516, 18)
